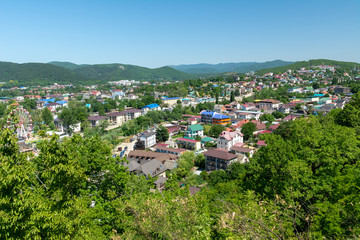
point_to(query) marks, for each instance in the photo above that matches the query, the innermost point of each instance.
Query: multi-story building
(228, 139)
(132, 113)
(194, 130)
(151, 107)
(214, 118)
(171, 101)
(269, 103)
(117, 117)
(188, 143)
(216, 159)
(147, 139)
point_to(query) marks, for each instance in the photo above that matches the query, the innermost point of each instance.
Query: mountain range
(241, 67)
(30, 74)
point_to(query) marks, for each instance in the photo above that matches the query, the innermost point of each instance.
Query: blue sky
(165, 32)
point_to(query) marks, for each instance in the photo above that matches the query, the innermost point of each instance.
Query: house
(218, 108)
(171, 101)
(239, 149)
(146, 140)
(214, 118)
(285, 108)
(261, 143)
(151, 107)
(150, 168)
(117, 117)
(259, 125)
(59, 124)
(228, 139)
(344, 90)
(173, 130)
(53, 105)
(132, 113)
(269, 103)
(192, 121)
(141, 157)
(188, 143)
(216, 159)
(174, 151)
(247, 106)
(194, 130)
(95, 120)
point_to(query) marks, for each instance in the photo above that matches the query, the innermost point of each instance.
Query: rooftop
(218, 153)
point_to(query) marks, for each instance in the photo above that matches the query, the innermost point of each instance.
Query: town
(151, 125)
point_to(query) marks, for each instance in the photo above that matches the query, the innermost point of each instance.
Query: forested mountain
(29, 74)
(113, 72)
(68, 65)
(241, 67)
(37, 74)
(306, 64)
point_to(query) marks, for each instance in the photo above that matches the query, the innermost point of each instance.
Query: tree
(200, 161)
(215, 130)
(232, 96)
(267, 117)
(47, 116)
(248, 129)
(68, 118)
(162, 134)
(278, 114)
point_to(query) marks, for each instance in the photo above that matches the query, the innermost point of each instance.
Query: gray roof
(132, 165)
(153, 168)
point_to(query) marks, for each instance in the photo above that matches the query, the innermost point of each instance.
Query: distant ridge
(305, 64)
(241, 67)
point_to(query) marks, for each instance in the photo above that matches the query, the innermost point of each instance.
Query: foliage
(47, 116)
(162, 134)
(278, 114)
(215, 130)
(248, 129)
(200, 161)
(267, 117)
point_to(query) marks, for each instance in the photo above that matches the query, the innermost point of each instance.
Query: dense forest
(32, 74)
(303, 184)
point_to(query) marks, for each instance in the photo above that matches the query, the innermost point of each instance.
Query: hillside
(67, 65)
(240, 67)
(29, 74)
(305, 64)
(113, 72)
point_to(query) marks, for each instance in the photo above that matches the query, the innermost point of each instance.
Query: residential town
(222, 120)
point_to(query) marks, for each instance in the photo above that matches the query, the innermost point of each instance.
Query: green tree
(267, 117)
(248, 129)
(215, 130)
(162, 134)
(47, 116)
(278, 114)
(200, 161)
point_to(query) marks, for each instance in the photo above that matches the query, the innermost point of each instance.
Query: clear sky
(154, 33)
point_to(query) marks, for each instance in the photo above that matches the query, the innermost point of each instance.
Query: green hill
(305, 64)
(241, 67)
(29, 74)
(113, 72)
(67, 65)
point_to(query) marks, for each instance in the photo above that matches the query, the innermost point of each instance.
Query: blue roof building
(151, 107)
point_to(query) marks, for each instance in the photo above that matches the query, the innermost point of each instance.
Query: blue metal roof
(61, 102)
(174, 98)
(153, 105)
(48, 100)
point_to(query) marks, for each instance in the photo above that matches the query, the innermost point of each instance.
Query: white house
(228, 139)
